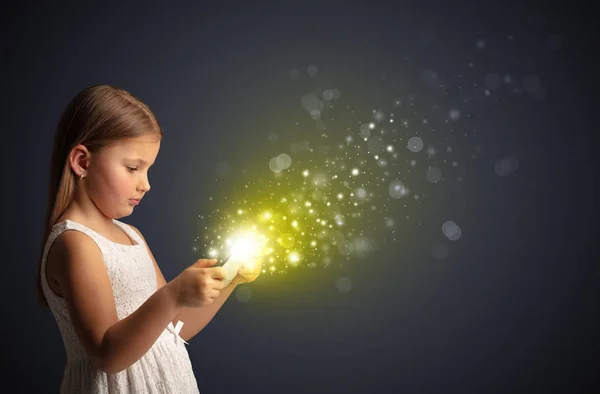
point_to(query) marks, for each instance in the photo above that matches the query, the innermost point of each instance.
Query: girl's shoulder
(68, 252)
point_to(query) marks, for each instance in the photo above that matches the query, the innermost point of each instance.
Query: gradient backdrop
(510, 306)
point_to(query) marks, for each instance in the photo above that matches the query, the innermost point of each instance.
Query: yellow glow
(263, 199)
(287, 240)
(247, 245)
(294, 257)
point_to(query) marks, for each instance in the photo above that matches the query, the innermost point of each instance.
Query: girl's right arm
(112, 344)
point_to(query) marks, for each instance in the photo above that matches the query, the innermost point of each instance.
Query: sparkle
(324, 205)
(294, 257)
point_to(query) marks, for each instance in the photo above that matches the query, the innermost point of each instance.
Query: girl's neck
(87, 215)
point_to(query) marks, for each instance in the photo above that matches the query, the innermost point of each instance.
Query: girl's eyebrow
(138, 160)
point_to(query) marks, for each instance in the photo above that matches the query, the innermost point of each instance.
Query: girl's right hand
(199, 284)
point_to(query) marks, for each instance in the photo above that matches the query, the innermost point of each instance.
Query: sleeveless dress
(165, 368)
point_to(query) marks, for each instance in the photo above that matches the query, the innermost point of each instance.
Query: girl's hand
(249, 272)
(199, 284)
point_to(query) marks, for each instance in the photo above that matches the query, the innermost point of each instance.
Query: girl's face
(118, 174)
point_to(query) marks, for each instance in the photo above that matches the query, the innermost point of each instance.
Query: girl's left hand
(249, 272)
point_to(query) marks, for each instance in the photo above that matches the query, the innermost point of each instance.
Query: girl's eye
(131, 169)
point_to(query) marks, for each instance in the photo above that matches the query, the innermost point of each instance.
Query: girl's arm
(112, 345)
(194, 319)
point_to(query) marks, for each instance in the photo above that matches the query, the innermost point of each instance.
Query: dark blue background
(512, 309)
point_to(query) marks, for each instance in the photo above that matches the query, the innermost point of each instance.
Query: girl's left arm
(195, 319)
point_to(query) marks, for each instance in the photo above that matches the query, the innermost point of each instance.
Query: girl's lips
(135, 202)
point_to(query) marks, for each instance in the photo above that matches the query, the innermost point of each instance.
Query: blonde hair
(96, 117)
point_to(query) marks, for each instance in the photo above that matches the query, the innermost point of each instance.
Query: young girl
(123, 326)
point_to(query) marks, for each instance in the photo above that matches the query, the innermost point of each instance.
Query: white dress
(165, 368)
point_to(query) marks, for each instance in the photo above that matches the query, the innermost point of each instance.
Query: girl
(123, 326)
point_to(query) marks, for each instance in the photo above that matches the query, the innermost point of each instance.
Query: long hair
(96, 117)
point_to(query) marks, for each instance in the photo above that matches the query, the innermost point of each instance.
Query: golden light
(245, 248)
(287, 240)
(294, 257)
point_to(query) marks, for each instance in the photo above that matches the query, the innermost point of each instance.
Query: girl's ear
(79, 159)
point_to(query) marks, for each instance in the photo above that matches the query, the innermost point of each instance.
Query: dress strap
(130, 231)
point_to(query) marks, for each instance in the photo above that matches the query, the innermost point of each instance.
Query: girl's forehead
(142, 146)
